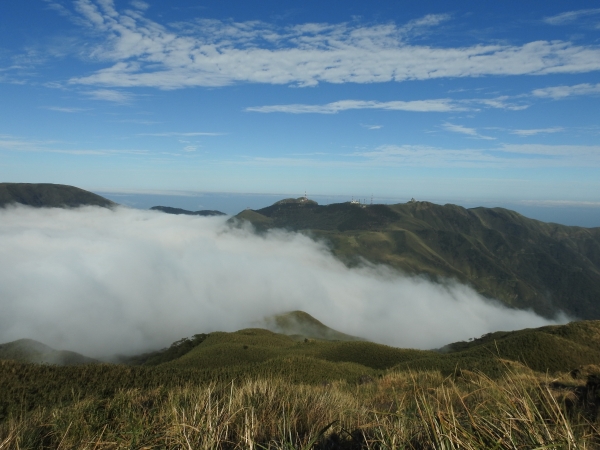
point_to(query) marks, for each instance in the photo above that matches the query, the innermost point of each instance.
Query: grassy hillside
(523, 262)
(399, 410)
(30, 351)
(301, 325)
(369, 393)
(254, 346)
(546, 349)
(259, 352)
(49, 196)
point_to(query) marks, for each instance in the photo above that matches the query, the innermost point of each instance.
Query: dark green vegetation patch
(177, 211)
(45, 195)
(523, 262)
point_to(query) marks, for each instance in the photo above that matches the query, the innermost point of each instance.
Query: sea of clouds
(101, 281)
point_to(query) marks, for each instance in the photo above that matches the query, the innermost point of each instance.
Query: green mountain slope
(253, 346)
(522, 262)
(204, 212)
(551, 349)
(301, 325)
(30, 351)
(49, 196)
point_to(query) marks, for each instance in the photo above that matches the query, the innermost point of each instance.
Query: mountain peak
(303, 325)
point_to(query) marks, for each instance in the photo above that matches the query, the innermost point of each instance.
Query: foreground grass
(400, 410)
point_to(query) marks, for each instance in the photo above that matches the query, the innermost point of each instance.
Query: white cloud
(16, 144)
(65, 109)
(557, 92)
(143, 6)
(534, 131)
(214, 53)
(103, 282)
(190, 148)
(465, 130)
(439, 105)
(502, 156)
(583, 153)
(176, 134)
(432, 105)
(110, 95)
(571, 16)
(501, 103)
(424, 156)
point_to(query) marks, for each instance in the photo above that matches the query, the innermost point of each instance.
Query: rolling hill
(30, 351)
(300, 325)
(45, 195)
(261, 352)
(552, 349)
(522, 262)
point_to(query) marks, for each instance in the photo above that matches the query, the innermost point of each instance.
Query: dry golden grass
(399, 411)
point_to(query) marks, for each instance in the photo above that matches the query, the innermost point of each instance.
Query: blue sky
(461, 101)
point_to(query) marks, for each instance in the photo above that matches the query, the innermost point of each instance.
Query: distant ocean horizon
(583, 215)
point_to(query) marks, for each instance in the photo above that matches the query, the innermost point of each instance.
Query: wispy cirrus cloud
(430, 105)
(110, 95)
(18, 144)
(503, 102)
(582, 153)
(536, 131)
(557, 92)
(177, 134)
(571, 16)
(142, 52)
(65, 109)
(501, 156)
(440, 105)
(139, 4)
(472, 132)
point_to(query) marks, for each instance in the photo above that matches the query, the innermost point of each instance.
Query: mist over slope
(101, 281)
(522, 262)
(30, 351)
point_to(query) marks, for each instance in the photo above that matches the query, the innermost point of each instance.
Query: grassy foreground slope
(253, 386)
(49, 196)
(400, 410)
(523, 262)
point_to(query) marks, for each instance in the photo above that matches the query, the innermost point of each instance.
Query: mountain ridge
(524, 263)
(178, 211)
(48, 195)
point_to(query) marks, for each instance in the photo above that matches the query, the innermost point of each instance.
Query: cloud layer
(216, 53)
(100, 281)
